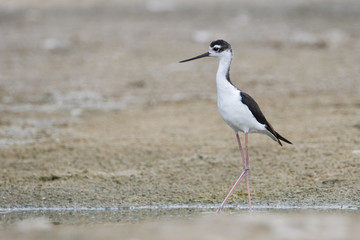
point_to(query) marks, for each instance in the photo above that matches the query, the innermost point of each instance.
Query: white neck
(223, 72)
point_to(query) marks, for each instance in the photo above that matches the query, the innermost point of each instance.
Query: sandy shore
(96, 111)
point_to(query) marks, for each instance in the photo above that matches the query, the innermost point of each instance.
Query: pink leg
(231, 191)
(241, 150)
(248, 168)
(244, 173)
(246, 164)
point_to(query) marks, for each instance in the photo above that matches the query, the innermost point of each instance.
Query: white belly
(236, 114)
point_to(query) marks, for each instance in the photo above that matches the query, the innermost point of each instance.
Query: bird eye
(216, 49)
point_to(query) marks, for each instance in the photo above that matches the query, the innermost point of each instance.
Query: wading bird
(238, 109)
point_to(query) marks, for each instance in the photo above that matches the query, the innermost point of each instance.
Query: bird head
(218, 48)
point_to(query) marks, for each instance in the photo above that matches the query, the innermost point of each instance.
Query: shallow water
(105, 215)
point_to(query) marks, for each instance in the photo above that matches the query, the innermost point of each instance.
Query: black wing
(259, 116)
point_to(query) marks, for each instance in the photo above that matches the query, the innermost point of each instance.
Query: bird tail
(279, 137)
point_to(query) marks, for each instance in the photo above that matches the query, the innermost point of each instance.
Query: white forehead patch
(216, 46)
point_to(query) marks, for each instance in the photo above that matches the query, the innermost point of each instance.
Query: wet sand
(263, 225)
(96, 111)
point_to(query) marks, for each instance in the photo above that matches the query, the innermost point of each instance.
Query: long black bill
(200, 56)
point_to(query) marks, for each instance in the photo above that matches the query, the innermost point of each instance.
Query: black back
(253, 107)
(259, 116)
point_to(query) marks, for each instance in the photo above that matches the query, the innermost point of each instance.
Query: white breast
(236, 114)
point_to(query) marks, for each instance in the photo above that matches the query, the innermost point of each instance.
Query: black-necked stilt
(238, 109)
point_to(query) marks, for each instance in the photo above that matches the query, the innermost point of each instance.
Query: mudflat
(96, 111)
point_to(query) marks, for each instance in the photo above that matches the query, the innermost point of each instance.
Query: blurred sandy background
(96, 111)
